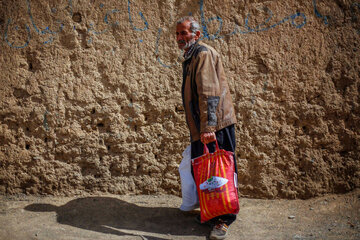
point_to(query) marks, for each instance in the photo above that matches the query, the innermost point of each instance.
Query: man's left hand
(207, 137)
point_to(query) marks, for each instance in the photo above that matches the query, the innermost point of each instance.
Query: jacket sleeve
(208, 89)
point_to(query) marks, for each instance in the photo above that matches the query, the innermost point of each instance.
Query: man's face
(184, 37)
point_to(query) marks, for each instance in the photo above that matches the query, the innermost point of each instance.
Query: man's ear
(197, 35)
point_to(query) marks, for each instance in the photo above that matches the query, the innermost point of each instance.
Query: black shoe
(198, 220)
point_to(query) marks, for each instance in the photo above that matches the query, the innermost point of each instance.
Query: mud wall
(90, 94)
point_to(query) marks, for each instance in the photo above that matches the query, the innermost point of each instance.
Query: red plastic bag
(216, 183)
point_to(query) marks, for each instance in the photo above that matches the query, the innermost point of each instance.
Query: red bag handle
(206, 149)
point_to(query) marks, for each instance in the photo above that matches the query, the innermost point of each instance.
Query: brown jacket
(205, 92)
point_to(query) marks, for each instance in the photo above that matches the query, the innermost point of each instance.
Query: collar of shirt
(189, 53)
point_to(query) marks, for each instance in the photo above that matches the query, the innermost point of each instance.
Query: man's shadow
(111, 215)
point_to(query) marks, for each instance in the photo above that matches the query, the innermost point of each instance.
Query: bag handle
(206, 149)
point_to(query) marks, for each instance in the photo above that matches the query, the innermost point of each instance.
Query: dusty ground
(158, 217)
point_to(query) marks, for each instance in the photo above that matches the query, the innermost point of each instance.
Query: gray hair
(194, 25)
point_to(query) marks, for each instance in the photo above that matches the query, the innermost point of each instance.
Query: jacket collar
(189, 54)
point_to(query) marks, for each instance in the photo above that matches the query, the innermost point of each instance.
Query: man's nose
(178, 37)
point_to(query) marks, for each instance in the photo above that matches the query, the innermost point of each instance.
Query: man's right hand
(207, 137)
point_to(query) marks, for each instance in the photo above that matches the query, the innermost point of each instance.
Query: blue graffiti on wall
(205, 22)
(45, 121)
(11, 44)
(319, 15)
(325, 18)
(106, 21)
(354, 17)
(157, 49)
(47, 31)
(260, 28)
(353, 9)
(142, 17)
(39, 31)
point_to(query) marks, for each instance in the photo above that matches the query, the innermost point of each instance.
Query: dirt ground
(158, 217)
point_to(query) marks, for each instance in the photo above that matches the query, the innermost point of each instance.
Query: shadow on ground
(114, 216)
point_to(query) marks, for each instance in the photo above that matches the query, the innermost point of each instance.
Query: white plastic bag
(190, 199)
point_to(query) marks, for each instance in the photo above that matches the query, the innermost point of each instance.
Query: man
(207, 102)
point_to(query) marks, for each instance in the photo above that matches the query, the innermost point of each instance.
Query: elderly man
(207, 102)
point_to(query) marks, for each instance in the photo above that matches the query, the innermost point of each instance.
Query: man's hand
(207, 137)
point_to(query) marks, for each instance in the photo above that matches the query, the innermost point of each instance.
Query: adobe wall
(90, 94)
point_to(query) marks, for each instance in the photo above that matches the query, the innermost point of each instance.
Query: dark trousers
(226, 140)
